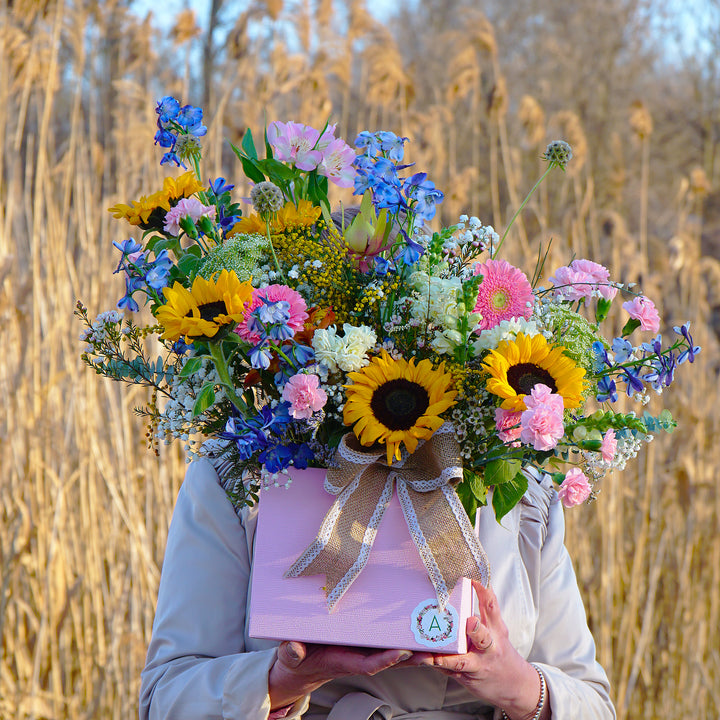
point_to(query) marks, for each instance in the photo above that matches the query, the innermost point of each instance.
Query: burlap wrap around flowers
(438, 524)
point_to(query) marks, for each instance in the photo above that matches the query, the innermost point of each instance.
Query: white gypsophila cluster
(348, 353)
(505, 330)
(471, 231)
(627, 449)
(177, 420)
(436, 299)
(335, 401)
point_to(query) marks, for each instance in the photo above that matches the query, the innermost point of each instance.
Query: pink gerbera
(274, 293)
(504, 293)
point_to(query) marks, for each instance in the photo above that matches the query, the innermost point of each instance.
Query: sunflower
(304, 215)
(395, 401)
(204, 309)
(139, 211)
(516, 366)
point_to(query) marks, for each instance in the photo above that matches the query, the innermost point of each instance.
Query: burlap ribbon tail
(436, 519)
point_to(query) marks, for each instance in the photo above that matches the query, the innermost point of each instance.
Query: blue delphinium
(173, 122)
(142, 274)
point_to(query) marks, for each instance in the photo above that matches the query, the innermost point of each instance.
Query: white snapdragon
(445, 342)
(436, 300)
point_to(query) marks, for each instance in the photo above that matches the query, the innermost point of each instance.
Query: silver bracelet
(541, 701)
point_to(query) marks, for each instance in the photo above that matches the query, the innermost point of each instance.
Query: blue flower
(165, 138)
(260, 355)
(368, 142)
(622, 350)
(633, 381)
(392, 145)
(600, 356)
(301, 455)
(275, 458)
(128, 246)
(180, 347)
(190, 120)
(412, 252)
(219, 187)
(606, 389)
(167, 109)
(382, 266)
(692, 349)
(126, 302)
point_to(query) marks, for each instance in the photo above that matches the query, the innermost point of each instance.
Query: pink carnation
(504, 293)
(575, 488)
(304, 394)
(581, 279)
(643, 309)
(542, 423)
(187, 207)
(608, 446)
(507, 423)
(274, 293)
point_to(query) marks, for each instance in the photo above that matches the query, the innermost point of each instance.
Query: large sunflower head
(516, 366)
(205, 308)
(395, 401)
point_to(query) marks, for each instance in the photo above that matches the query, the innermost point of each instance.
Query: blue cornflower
(622, 349)
(692, 349)
(607, 389)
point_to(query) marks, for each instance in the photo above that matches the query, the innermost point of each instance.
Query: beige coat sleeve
(198, 663)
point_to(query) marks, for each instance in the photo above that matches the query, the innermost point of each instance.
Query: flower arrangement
(281, 330)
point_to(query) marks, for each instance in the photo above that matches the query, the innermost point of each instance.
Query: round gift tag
(433, 627)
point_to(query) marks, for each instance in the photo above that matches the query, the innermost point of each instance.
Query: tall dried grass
(84, 507)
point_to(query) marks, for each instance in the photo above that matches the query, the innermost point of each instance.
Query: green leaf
(191, 367)
(248, 145)
(630, 325)
(205, 398)
(276, 169)
(602, 309)
(468, 500)
(252, 171)
(498, 472)
(507, 495)
(188, 264)
(476, 485)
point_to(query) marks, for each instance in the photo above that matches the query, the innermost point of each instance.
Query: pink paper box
(391, 604)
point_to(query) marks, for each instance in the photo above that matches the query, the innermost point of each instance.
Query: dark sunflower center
(523, 377)
(397, 404)
(210, 311)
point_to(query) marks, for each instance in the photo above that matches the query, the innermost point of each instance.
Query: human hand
(301, 668)
(492, 669)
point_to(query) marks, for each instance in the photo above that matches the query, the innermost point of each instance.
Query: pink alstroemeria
(643, 309)
(305, 395)
(337, 163)
(295, 143)
(575, 488)
(542, 423)
(608, 446)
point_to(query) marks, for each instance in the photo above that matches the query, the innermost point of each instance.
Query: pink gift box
(391, 604)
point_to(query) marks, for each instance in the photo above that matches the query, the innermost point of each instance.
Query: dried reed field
(85, 505)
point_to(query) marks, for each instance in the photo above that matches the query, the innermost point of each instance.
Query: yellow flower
(395, 401)
(516, 366)
(139, 211)
(304, 215)
(204, 309)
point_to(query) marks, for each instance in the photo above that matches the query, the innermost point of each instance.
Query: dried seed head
(558, 153)
(267, 199)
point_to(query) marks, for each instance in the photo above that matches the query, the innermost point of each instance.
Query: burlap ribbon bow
(438, 524)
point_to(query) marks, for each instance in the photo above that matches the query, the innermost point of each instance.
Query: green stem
(520, 209)
(218, 357)
(272, 249)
